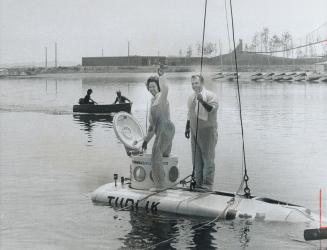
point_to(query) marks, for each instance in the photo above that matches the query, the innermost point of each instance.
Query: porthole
(139, 174)
(173, 174)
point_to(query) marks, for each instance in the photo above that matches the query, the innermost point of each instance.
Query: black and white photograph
(176, 124)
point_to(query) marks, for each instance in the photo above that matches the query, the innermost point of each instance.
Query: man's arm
(127, 99)
(206, 105)
(187, 129)
(210, 105)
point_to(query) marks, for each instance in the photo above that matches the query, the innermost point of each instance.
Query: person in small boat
(202, 125)
(87, 99)
(160, 125)
(120, 98)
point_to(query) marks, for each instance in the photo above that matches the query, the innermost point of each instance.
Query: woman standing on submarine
(160, 125)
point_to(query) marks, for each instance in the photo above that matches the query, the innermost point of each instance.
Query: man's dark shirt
(121, 99)
(87, 100)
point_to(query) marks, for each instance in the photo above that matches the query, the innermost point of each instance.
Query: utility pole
(128, 53)
(102, 52)
(221, 58)
(306, 47)
(46, 57)
(55, 55)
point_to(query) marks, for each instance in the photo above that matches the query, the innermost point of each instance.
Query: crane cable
(193, 181)
(247, 190)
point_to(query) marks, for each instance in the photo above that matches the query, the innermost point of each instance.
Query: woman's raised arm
(163, 85)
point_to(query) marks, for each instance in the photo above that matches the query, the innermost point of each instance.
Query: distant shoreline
(80, 71)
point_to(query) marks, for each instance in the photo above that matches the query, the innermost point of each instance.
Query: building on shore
(123, 61)
(134, 61)
(247, 61)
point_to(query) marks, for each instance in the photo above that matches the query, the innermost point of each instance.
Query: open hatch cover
(128, 130)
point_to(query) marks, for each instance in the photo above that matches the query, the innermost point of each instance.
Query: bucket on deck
(130, 133)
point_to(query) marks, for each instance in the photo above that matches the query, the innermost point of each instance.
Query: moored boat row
(275, 76)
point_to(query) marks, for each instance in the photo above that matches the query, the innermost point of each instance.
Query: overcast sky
(84, 27)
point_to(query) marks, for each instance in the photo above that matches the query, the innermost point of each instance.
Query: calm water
(51, 160)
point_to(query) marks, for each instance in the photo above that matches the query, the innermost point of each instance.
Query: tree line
(262, 41)
(209, 49)
(265, 42)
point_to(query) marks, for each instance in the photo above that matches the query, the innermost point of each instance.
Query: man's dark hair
(198, 76)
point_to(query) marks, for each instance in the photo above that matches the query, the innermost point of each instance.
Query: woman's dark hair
(89, 91)
(154, 79)
(200, 77)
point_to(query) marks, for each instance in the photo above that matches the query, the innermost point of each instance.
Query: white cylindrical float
(141, 171)
(130, 133)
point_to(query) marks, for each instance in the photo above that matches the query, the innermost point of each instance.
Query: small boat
(269, 76)
(257, 76)
(289, 76)
(232, 76)
(4, 73)
(324, 78)
(278, 77)
(217, 76)
(300, 77)
(102, 108)
(313, 77)
(136, 191)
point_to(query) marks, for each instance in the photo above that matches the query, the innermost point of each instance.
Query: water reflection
(47, 86)
(88, 122)
(241, 230)
(203, 238)
(166, 231)
(244, 231)
(149, 230)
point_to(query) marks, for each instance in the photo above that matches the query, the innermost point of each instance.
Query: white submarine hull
(180, 200)
(214, 204)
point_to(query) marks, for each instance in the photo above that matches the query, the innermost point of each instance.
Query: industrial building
(140, 61)
(244, 58)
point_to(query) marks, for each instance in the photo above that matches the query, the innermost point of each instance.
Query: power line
(293, 48)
